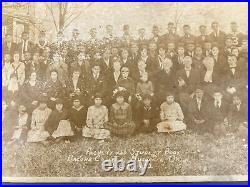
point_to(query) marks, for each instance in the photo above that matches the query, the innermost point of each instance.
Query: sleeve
(180, 115)
(89, 117)
(33, 120)
(162, 114)
(111, 114)
(129, 113)
(21, 74)
(106, 119)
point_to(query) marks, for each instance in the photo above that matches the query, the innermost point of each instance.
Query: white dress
(37, 132)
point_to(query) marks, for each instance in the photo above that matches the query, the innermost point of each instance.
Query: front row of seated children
(205, 115)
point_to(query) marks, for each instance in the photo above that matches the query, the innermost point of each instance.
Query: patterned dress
(37, 132)
(121, 119)
(172, 118)
(97, 118)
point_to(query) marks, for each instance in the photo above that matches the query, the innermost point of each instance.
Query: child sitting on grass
(97, 118)
(171, 116)
(58, 124)
(121, 123)
(21, 127)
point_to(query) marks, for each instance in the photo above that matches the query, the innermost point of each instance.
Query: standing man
(217, 35)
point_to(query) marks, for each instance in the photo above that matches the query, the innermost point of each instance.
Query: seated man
(197, 112)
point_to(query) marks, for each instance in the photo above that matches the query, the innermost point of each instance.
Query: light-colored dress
(37, 132)
(171, 117)
(22, 121)
(97, 117)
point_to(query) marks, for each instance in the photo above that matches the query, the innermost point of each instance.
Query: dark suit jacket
(194, 112)
(220, 39)
(191, 82)
(184, 39)
(217, 115)
(96, 86)
(169, 37)
(30, 47)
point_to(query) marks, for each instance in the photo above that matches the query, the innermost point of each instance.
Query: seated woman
(39, 117)
(31, 91)
(171, 116)
(146, 116)
(58, 124)
(53, 89)
(120, 122)
(97, 118)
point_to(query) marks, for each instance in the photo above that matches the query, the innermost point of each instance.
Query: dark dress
(31, 93)
(77, 118)
(53, 121)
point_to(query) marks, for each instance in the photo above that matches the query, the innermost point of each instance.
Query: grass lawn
(169, 154)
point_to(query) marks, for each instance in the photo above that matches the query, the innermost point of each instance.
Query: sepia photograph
(124, 92)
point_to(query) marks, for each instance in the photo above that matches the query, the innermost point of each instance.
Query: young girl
(21, 127)
(13, 91)
(144, 87)
(58, 124)
(97, 118)
(120, 122)
(171, 116)
(39, 117)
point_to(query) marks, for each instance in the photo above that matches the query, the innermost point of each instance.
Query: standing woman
(60, 66)
(31, 91)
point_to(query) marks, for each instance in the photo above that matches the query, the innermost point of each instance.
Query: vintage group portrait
(124, 92)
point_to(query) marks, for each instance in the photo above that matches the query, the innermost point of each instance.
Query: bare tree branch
(78, 15)
(52, 14)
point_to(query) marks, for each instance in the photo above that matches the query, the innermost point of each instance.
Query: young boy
(77, 116)
(146, 116)
(237, 115)
(171, 116)
(217, 115)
